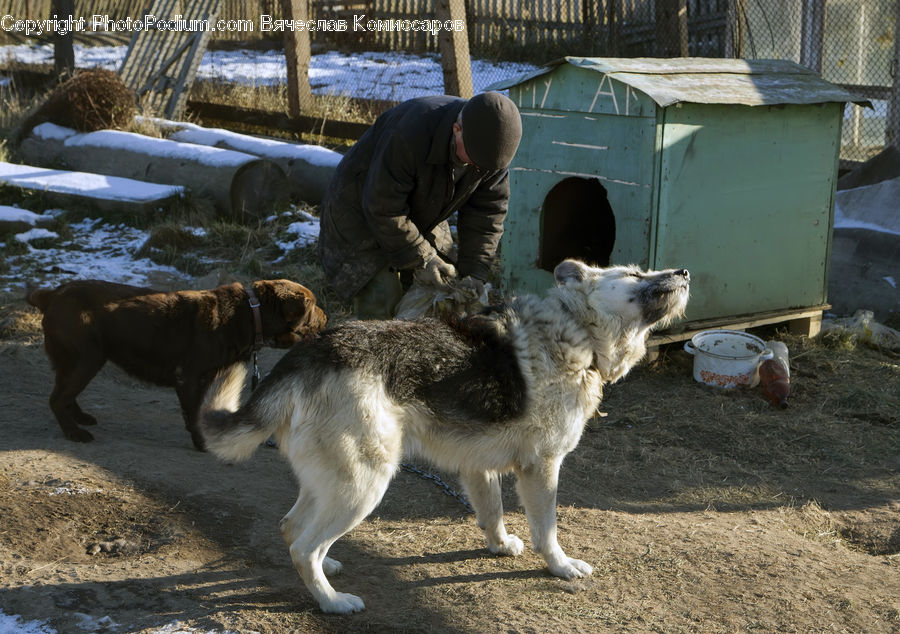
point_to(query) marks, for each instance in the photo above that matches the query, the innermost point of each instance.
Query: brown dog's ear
(297, 306)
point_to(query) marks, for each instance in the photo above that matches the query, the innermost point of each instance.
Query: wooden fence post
(297, 52)
(613, 42)
(812, 34)
(454, 48)
(63, 47)
(671, 28)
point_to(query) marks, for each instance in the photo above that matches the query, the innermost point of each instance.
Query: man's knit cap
(491, 130)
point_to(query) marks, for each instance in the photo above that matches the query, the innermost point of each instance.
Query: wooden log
(242, 187)
(309, 168)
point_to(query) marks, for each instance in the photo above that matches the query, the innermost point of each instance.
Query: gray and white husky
(506, 390)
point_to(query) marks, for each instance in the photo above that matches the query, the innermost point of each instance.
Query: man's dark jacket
(393, 190)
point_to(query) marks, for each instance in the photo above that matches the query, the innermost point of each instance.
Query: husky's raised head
(626, 303)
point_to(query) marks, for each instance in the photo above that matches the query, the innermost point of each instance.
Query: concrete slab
(15, 219)
(107, 193)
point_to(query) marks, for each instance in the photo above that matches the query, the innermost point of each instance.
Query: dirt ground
(700, 510)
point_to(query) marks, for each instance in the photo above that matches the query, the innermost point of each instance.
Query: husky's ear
(569, 271)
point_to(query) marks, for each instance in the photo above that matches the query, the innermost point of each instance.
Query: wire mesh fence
(850, 42)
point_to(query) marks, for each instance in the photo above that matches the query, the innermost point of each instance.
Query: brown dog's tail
(39, 297)
(231, 432)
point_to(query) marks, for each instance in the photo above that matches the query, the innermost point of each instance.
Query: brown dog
(179, 339)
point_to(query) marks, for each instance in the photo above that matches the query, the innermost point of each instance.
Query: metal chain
(446, 487)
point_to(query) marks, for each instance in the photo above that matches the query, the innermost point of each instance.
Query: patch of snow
(68, 488)
(14, 214)
(90, 623)
(305, 230)
(267, 148)
(13, 624)
(52, 131)
(96, 251)
(35, 234)
(159, 147)
(177, 627)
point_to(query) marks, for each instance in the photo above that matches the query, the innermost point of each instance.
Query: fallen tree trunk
(309, 168)
(242, 187)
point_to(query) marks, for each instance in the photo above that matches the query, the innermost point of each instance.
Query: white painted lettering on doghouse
(581, 145)
(533, 85)
(579, 174)
(543, 115)
(566, 142)
(546, 90)
(604, 79)
(610, 94)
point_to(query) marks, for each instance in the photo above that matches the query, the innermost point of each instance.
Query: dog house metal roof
(707, 80)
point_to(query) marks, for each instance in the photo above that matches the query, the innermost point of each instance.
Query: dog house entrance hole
(576, 222)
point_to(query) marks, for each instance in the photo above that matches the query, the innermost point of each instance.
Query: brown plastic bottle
(775, 375)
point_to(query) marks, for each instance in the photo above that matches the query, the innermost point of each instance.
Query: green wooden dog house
(724, 167)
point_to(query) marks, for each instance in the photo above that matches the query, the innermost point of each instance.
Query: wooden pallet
(802, 321)
(160, 66)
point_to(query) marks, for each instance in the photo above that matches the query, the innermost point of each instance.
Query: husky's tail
(232, 432)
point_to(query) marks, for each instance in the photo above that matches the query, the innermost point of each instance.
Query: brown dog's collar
(257, 317)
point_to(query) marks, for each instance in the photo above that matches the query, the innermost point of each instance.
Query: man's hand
(435, 272)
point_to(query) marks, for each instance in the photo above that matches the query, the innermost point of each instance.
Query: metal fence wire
(849, 42)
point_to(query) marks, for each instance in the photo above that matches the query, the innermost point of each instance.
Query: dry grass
(15, 105)
(20, 323)
(274, 99)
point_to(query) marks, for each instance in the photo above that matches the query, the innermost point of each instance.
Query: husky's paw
(570, 568)
(331, 566)
(511, 546)
(343, 603)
